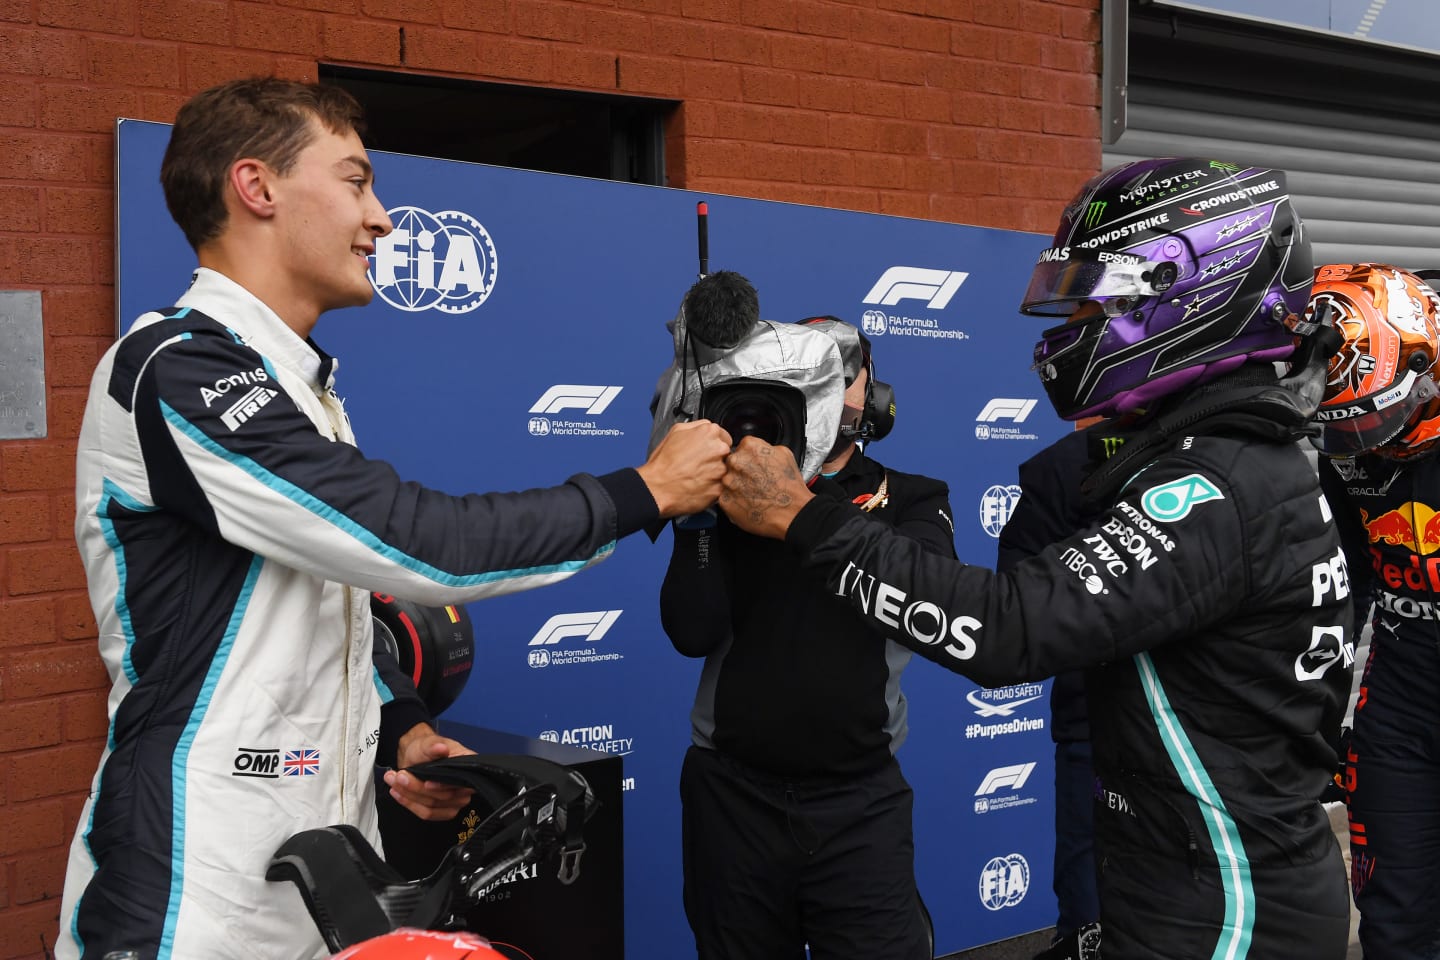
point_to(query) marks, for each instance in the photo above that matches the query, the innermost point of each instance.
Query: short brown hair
(263, 117)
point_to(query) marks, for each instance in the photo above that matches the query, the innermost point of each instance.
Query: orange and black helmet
(1380, 390)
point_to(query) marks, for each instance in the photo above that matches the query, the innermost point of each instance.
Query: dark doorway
(533, 128)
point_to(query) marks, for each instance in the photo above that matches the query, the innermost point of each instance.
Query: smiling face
(329, 221)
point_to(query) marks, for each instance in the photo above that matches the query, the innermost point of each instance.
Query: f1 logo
(592, 626)
(916, 283)
(563, 396)
(1003, 408)
(1013, 777)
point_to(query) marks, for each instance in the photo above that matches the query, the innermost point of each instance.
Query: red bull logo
(1412, 525)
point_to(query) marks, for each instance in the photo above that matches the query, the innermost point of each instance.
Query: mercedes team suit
(1387, 517)
(797, 825)
(1210, 601)
(231, 533)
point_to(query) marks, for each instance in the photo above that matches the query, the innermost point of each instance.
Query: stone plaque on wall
(22, 366)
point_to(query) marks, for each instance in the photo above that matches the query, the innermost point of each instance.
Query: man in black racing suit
(1209, 601)
(1386, 500)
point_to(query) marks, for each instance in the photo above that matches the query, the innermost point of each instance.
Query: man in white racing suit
(231, 533)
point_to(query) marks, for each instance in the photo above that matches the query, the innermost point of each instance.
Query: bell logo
(434, 261)
(936, 287)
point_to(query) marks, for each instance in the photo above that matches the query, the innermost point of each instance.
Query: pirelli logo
(246, 407)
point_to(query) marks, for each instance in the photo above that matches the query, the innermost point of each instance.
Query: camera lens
(755, 419)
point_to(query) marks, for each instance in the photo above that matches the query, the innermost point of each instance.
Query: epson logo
(590, 626)
(936, 287)
(225, 384)
(922, 620)
(1013, 776)
(565, 396)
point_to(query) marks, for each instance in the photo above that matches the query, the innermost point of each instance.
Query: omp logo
(916, 283)
(1005, 708)
(434, 261)
(1004, 881)
(564, 396)
(1003, 408)
(256, 763)
(246, 407)
(1013, 776)
(591, 626)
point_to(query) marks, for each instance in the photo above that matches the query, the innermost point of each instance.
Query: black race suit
(1387, 518)
(1211, 602)
(797, 820)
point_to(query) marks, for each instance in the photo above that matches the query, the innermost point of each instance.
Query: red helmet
(1380, 391)
(408, 944)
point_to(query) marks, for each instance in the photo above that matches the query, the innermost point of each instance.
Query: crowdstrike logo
(564, 396)
(593, 400)
(589, 627)
(936, 287)
(442, 261)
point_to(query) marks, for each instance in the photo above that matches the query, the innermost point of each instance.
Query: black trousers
(1394, 783)
(772, 864)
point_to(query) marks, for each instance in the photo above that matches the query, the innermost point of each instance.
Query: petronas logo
(1094, 213)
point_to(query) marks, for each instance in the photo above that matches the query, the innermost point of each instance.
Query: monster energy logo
(1093, 215)
(1109, 446)
(1222, 165)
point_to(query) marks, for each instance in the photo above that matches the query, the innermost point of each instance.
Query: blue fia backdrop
(517, 337)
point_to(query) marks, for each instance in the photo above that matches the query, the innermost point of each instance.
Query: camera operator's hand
(684, 470)
(427, 799)
(763, 489)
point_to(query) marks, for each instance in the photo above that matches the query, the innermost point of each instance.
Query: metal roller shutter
(1363, 166)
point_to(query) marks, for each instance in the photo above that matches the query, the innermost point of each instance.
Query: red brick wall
(973, 111)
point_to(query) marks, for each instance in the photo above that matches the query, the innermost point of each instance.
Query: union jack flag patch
(301, 763)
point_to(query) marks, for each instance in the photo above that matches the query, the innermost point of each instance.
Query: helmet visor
(1066, 277)
(1350, 429)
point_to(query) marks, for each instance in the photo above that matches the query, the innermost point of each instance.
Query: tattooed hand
(762, 490)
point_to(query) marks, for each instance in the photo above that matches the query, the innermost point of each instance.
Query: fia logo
(539, 426)
(873, 323)
(434, 261)
(1004, 881)
(996, 505)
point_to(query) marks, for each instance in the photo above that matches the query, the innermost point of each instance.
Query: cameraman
(796, 818)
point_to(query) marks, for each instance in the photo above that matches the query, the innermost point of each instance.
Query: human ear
(250, 180)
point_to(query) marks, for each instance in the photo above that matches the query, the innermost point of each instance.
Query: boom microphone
(721, 308)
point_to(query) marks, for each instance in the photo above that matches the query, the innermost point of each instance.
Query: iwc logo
(434, 261)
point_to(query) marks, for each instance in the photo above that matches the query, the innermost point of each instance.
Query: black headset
(878, 417)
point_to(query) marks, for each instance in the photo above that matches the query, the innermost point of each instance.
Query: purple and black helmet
(1197, 266)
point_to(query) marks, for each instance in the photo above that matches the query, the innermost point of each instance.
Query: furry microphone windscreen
(721, 308)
